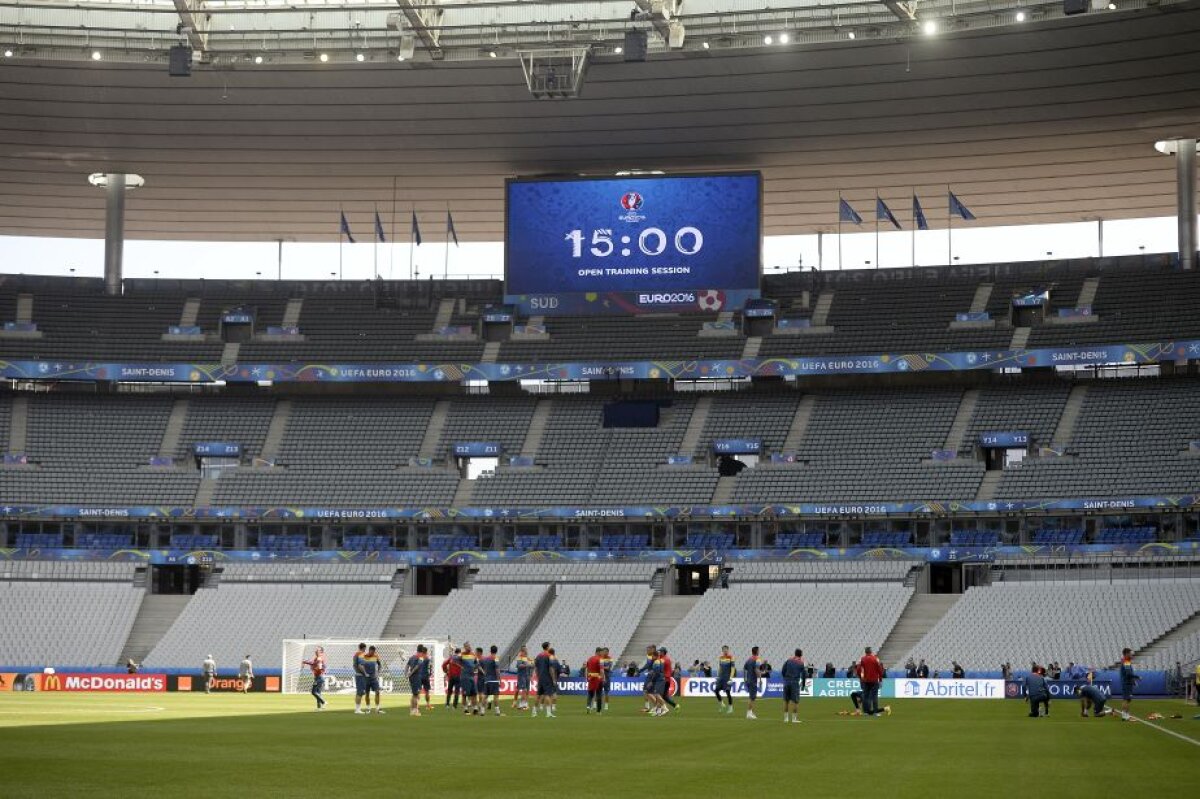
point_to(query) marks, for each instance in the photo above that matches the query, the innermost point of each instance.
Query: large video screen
(636, 244)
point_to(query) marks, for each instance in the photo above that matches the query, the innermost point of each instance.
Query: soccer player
(1037, 692)
(479, 680)
(491, 679)
(648, 683)
(606, 663)
(726, 671)
(1129, 678)
(594, 670)
(452, 668)
(466, 678)
(792, 673)
(360, 679)
(668, 671)
(1093, 696)
(427, 680)
(208, 670)
(524, 667)
(750, 673)
(246, 674)
(545, 666)
(416, 670)
(371, 666)
(317, 665)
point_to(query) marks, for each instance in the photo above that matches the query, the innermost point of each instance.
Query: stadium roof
(1051, 120)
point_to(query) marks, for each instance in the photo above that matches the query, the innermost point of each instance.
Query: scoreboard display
(636, 244)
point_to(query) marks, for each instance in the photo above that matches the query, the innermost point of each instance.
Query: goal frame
(296, 679)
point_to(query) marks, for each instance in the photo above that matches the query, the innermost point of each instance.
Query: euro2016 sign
(634, 244)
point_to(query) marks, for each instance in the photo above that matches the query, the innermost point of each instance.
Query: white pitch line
(1178, 735)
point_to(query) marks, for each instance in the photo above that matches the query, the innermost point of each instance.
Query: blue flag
(919, 215)
(345, 228)
(416, 230)
(450, 227)
(847, 214)
(379, 228)
(882, 212)
(958, 209)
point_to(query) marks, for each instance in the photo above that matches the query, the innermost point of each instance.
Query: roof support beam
(905, 12)
(659, 13)
(194, 19)
(426, 23)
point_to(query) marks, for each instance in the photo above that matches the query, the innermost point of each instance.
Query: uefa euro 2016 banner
(634, 244)
(696, 369)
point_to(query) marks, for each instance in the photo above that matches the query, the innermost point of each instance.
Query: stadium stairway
(409, 615)
(291, 314)
(1163, 643)
(18, 425)
(751, 347)
(919, 617)
(1070, 416)
(24, 308)
(962, 419)
(695, 428)
(276, 430)
(174, 429)
(491, 352)
(983, 294)
(537, 428)
(1087, 293)
(820, 315)
(205, 490)
(799, 426)
(445, 313)
(1020, 338)
(155, 616)
(988, 485)
(723, 492)
(433, 431)
(463, 493)
(662, 617)
(229, 355)
(190, 312)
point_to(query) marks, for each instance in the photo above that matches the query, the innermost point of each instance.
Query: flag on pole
(450, 227)
(919, 215)
(883, 213)
(958, 209)
(345, 228)
(379, 229)
(416, 230)
(847, 214)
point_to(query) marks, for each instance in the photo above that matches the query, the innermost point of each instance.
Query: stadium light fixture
(1112, 6)
(324, 57)
(768, 39)
(258, 59)
(930, 27)
(705, 45)
(784, 38)
(360, 57)
(400, 56)
(8, 53)
(1020, 16)
(96, 55)
(850, 35)
(618, 49)
(491, 53)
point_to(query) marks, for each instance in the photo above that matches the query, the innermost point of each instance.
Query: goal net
(339, 662)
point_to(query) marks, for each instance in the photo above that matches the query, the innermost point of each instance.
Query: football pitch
(227, 745)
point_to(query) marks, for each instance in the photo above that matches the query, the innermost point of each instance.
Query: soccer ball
(711, 300)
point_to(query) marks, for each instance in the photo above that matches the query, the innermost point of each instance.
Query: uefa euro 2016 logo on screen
(631, 201)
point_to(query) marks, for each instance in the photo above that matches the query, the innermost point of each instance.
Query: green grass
(269, 745)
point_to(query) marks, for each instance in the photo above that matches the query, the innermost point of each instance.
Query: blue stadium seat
(799, 540)
(541, 543)
(40, 540)
(282, 543)
(1126, 535)
(625, 542)
(974, 538)
(1054, 536)
(103, 540)
(194, 541)
(710, 540)
(885, 539)
(366, 542)
(453, 543)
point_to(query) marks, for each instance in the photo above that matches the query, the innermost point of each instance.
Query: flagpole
(375, 248)
(876, 230)
(914, 227)
(392, 246)
(949, 230)
(341, 237)
(412, 246)
(839, 231)
(446, 263)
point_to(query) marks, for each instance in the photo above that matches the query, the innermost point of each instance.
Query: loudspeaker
(1075, 7)
(180, 64)
(635, 46)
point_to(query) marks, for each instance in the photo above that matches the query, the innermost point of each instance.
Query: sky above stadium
(318, 261)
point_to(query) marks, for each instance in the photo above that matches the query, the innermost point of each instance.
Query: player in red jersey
(452, 669)
(595, 680)
(669, 674)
